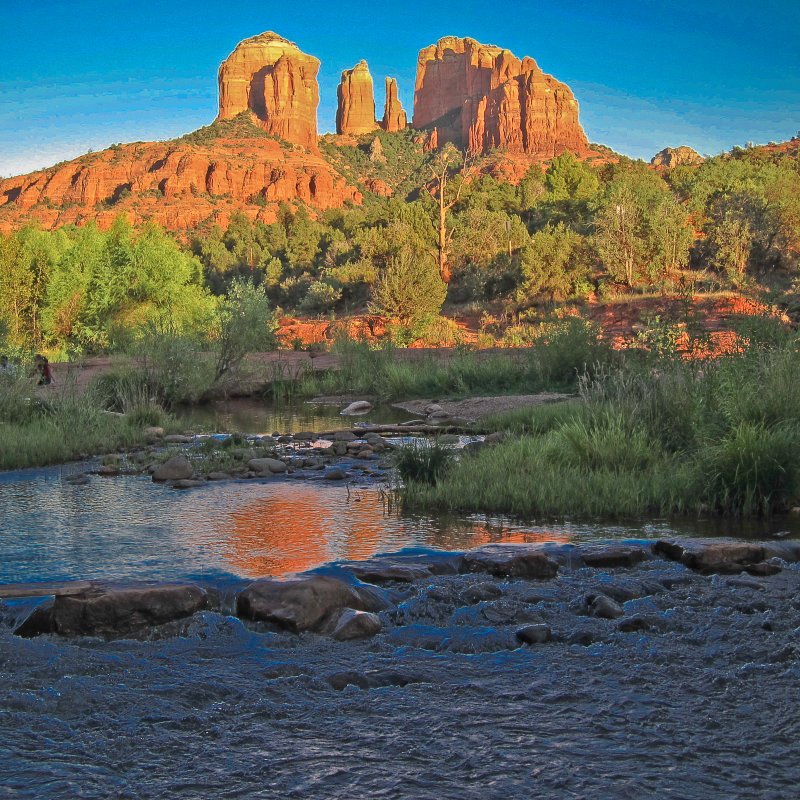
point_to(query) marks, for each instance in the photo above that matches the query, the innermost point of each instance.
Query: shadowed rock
(612, 555)
(371, 679)
(114, 612)
(175, 469)
(534, 634)
(303, 603)
(510, 560)
(354, 624)
(712, 555)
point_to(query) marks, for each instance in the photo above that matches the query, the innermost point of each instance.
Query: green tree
(408, 287)
(554, 263)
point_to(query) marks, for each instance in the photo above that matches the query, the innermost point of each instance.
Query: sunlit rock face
(671, 157)
(394, 117)
(355, 114)
(482, 97)
(274, 79)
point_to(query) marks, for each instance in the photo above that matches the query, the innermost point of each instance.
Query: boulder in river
(356, 408)
(175, 469)
(726, 556)
(114, 612)
(267, 466)
(353, 624)
(304, 602)
(510, 560)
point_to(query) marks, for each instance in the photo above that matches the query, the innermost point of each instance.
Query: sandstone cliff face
(671, 157)
(178, 185)
(482, 97)
(274, 79)
(394, 117)
(356, 111)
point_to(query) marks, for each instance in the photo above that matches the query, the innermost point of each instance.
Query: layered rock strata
(482, 97)
(274, 79)
(355, 114)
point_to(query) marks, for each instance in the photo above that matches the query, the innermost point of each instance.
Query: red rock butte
(482, 97)
(274, 79)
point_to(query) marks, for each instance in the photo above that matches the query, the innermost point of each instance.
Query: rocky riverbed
(666, 669)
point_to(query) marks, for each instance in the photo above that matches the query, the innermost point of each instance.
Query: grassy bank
(566, 350)
(55, 425)
(645, 437)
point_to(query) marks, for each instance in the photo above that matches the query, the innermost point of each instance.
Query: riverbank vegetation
(574, 232)
(652, 435)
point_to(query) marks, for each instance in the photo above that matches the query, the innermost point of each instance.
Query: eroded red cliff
(274, 79)
(178, 185)
(482, 97)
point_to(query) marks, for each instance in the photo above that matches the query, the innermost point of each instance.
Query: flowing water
(214, 708)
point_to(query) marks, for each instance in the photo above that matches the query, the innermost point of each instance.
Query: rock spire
(356, 111)
(394, 117)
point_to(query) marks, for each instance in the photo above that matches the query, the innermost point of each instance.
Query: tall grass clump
(423, 463)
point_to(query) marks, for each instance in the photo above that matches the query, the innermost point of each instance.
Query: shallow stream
(704, 706)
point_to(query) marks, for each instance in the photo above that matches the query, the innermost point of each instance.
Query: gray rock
(478, 592)
(598, 605)
(356, 408)
(612, 555)
(510, 560)
(353, 624)
(178, 438)
(303, 603)
(81, 479)
(187, 483)
(218, 476)
(725, 556)
(114, 612)
(335, 475)
(344, 436)
(175, 469)
(535, 634)
(371, 679)
(267, 466)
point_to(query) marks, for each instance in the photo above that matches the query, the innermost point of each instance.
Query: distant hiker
(42, 369)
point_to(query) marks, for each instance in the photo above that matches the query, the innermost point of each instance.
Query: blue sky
(83, 74)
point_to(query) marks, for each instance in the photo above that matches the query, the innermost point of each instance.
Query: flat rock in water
(344, 436)
(726, 556)
(335, 475)
(612, 555)
(302, 603)
(353, 624)
(267, 466)
(510, 560)
(175, 469)
(356, 409)
(187, 483)
(114, 612)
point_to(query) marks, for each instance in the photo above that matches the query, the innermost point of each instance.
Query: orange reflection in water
(299, 526)
(294, 529)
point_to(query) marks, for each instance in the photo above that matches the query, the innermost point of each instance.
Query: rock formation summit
(274, 79)
(482, 97)
(356, 111)
(671, 157)
(394, 117)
